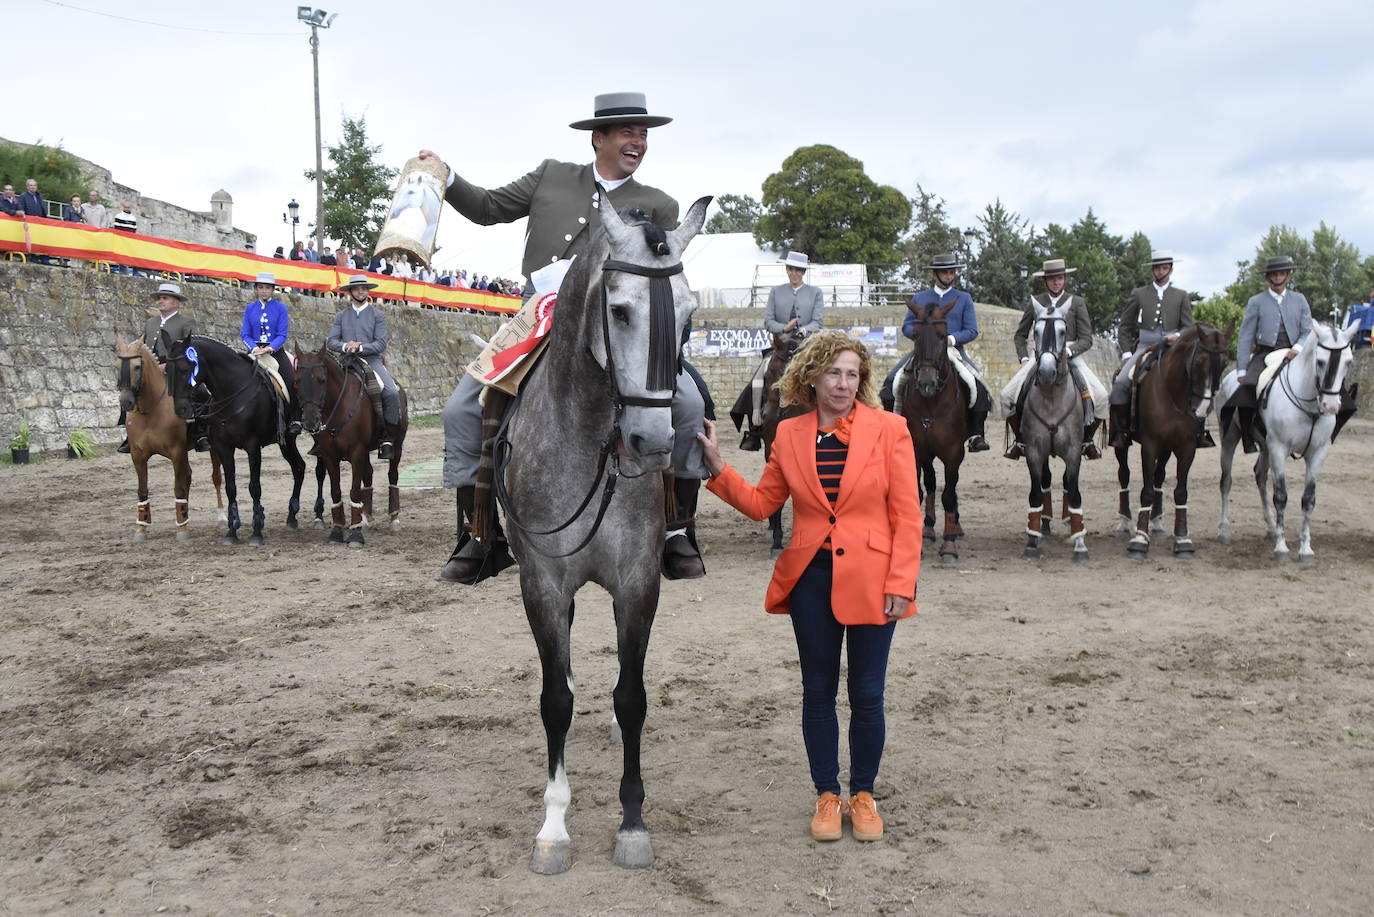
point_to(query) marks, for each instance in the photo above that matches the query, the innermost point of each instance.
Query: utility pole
(317, 19)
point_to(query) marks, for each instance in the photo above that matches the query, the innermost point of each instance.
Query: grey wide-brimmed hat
(945, 261)
(1281, 263)
(169, 289)
(1161, 257)
(264, 277)
(1053, 268)
(797, 260)
(358, 280)
(619, 108)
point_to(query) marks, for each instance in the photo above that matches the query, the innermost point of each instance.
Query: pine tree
(357, 188)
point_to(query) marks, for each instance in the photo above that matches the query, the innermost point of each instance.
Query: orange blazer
(874, 526)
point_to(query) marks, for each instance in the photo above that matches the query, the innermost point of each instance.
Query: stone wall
(58, 327)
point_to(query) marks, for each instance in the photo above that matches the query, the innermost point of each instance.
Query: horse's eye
(620, 314)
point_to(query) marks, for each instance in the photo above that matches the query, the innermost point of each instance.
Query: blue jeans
(819, 637)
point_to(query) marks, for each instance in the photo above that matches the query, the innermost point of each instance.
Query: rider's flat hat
(358, 280)
(797, 260)
(1281, 263)
(1161, 257)
(264, 277)
(169, 289)
(1053, 267)
(944, 262)
(619, 108)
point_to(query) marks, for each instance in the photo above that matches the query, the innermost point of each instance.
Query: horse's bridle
(940, 362)
(325, 419)
(1061, 354)
(1195, 397)
(661, 312)
(126, 372)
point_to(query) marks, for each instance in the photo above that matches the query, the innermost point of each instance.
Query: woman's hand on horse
(894, 606)
(710, 447)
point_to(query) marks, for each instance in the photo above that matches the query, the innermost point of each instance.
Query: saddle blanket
(1012, 391)
(966, 372)
(512, 350)
(1272, 362)
(268, 362)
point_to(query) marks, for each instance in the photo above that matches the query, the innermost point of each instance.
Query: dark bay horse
(784, 348)
(1052, 424)
(597, 407)
(336, 408)
(934, 406)
(155, 429)
(239, 412)
(1172, 399)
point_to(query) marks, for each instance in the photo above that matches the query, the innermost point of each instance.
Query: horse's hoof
(948, 559)
(256, 541)
(1124, 526)
(183, 536)
(355, 543)
(140, 536)
(229, 539)
(1282, 557)
(395, 525)
(1307, 558)
(1223, 539)
(1080, 557)
(1183, 547)
(222, 518)
(1031, 554)
(1156, 528)
(318, 523)
(552, 858)
(927, 534)
(633, 850)
(335, 537)
(292, 524)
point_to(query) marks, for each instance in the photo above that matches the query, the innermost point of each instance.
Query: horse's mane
(205, 338)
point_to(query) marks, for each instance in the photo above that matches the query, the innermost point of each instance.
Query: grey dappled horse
(1052, 424)
(601, 391)
(1299, 420)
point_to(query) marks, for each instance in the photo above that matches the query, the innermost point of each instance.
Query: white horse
(1299, 419)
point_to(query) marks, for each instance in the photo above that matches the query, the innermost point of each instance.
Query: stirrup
(1090, 450)
(1016, 450)
(1204, 440)
(751, 441)
(682, 558)
(977, 443)
(386, 450)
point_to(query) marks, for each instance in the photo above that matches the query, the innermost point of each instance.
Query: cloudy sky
(1200, 122)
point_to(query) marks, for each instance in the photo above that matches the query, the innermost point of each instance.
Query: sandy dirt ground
(302, 729)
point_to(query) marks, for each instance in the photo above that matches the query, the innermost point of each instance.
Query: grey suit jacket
(809, 302)
(558, 199)
(1261, 323)
(1143, 309)
(179, 327)
(367, 327)
(1078, 326)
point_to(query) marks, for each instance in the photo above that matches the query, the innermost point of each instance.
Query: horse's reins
(662, 329)
(1323, 388)
(1214, 364)
(941, 364)
(325, 426)
(126, 373)
(1061, 355)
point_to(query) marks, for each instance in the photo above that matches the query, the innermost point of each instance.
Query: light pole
(969, 235)
(295, 210)
(1024, 272)
(317, 19)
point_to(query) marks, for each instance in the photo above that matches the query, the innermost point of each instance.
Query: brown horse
(335, 408)
(155, 429)
(935, 408)
(784, 348)
(1172, 399)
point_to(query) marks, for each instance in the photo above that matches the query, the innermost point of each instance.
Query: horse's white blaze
(1204, 407)
(557, 796)
(1048, 363)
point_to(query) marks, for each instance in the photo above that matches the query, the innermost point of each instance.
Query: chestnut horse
(155, 429)
(1172, 398)
(935, 408)
(336, 409)
(784, 348)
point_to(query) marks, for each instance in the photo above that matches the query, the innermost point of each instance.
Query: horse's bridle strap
(643, 270)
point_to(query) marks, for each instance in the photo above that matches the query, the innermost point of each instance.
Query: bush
(81, 444)
(1225, 314)
(20, 440)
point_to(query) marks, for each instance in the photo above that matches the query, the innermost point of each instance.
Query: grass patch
(427, 421)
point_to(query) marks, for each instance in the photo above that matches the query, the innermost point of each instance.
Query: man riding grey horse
(563, 201)
(1154, 312)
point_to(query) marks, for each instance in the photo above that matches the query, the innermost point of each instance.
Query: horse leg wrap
(1142, 523)
(183, 512)
(1180, 522)
(952, 527)
(355, 515)
(1033, 523)
(1123, 503)
(1064, 506)
(1048, 508)
(145, 513)
(1075, 523)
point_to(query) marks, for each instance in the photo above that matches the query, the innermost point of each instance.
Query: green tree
(57, 172)
(1102, 278)
(738, 213)
(930, 234)
(823, 203)
(1333, 277)
(357, 188)
(1006, 251)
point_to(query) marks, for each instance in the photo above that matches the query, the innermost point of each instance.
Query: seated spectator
(9, 201)
(124, 220)
(71, 213)
(95, 213)
(31, 202)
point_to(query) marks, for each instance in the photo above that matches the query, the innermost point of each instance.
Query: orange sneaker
(863, 815)
(825, 825)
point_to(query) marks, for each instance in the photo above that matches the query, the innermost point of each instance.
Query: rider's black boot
(1120, 434)
(1016, 450)
(977, 442)
(472, 561)
(681, 556)
(1090, 450)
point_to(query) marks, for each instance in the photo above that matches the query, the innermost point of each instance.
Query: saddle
(1147, 361)
(371, 381)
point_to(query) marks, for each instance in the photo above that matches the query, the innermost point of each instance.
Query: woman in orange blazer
(849, 573)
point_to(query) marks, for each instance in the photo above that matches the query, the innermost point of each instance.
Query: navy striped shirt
(830, 457)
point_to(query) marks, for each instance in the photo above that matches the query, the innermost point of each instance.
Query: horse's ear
(120, 344)
(1040, 311)
(942, 311)
(610, 220)
(691, 224)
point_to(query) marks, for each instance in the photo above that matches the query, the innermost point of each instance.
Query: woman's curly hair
(813, 358)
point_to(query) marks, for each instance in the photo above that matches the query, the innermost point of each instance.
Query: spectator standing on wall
(95, 213)
(279, 253)
(298, 252)
(124, 220)
(71, 213)
(9, 201)
(327, 259)
(31, 202)
(310, 254)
